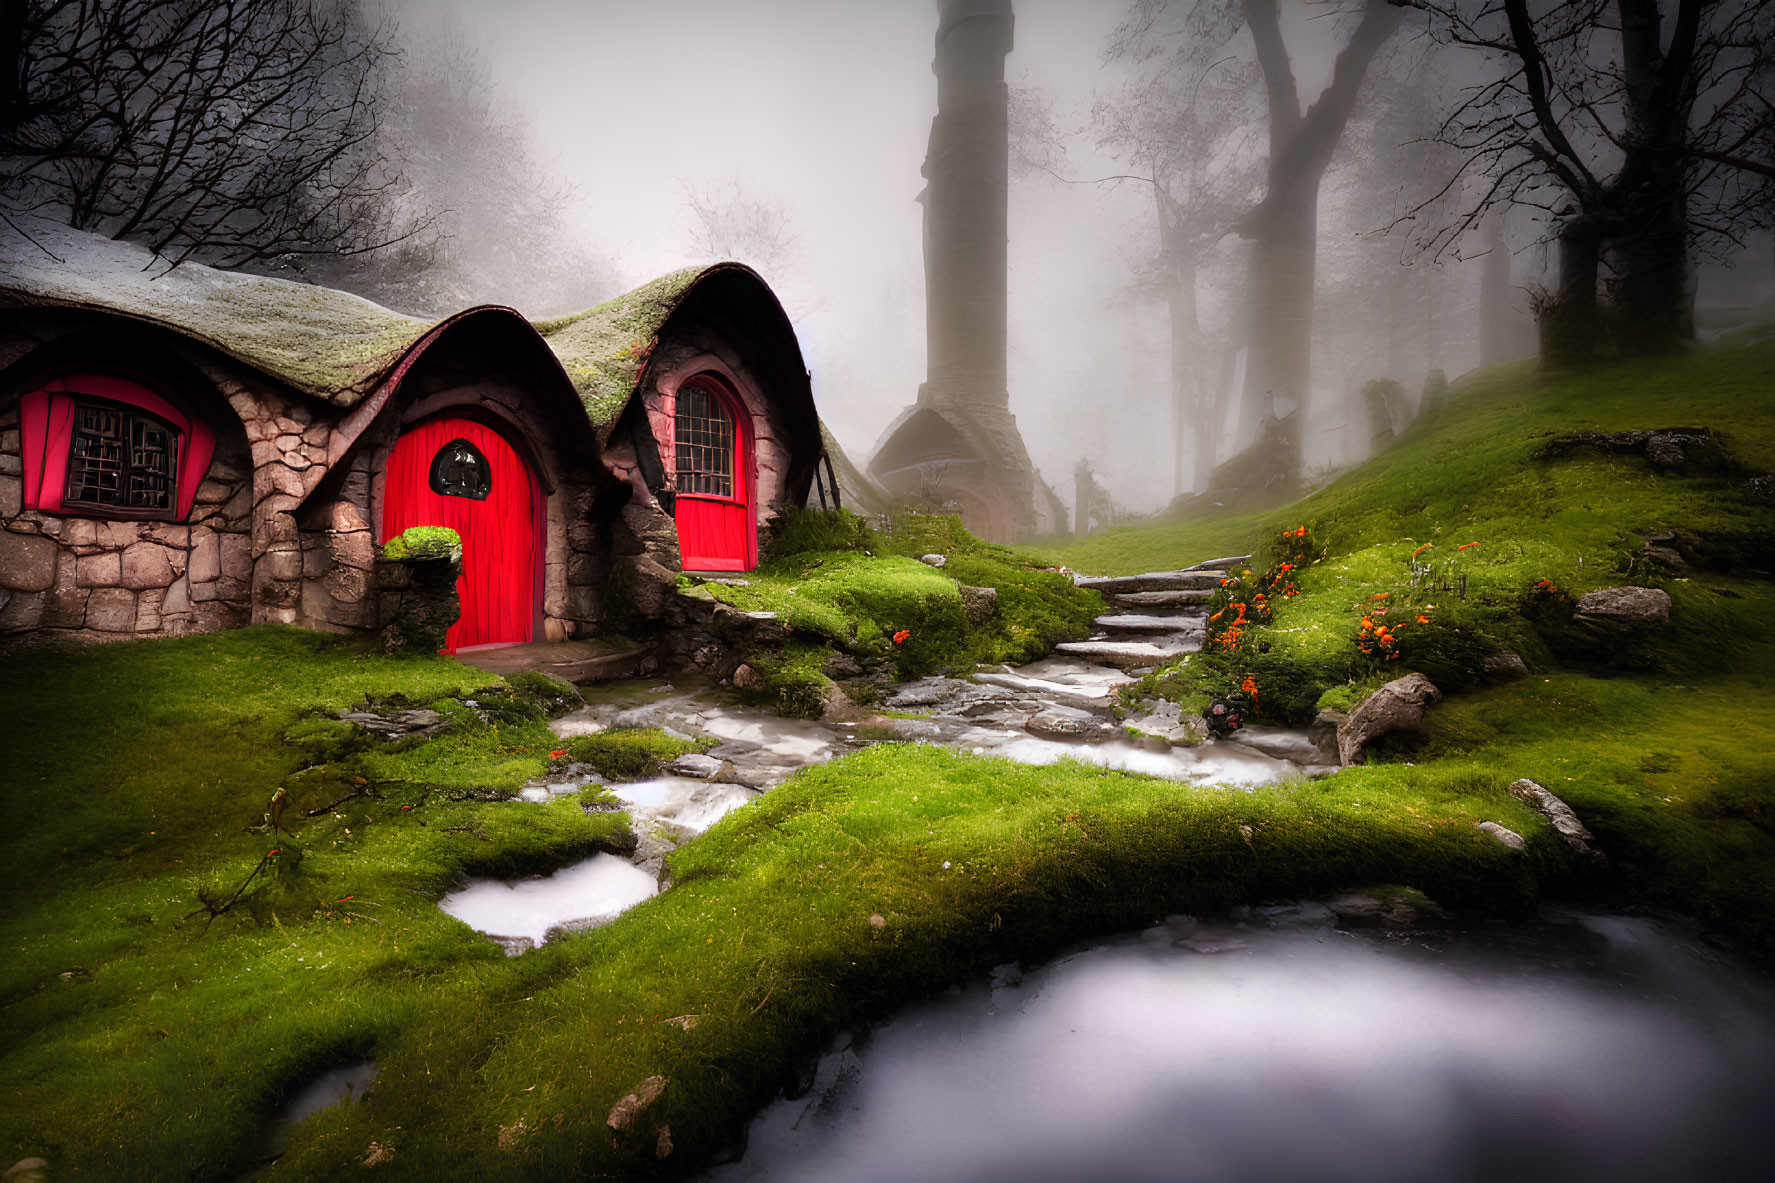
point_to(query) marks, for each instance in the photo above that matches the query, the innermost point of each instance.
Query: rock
(624, 1113)
(695, 764)
(1507, 664)
(978, 603)
(27, 562)
(1280, 742)
(932, 560)
(112, 610)
(1508, 837)
(1565, 823)
(101, 570)
(1139, 623)
(745, 677)
(1162, 599)
(1167, 722)
(1397, 706)
(1625, 605)
(841, 665)
(925, 692)
(1064, 722)
(1120, 585)
(1395, 907)
(1323, 734)
(1122, 654)
(147, 564)
(27, 1170)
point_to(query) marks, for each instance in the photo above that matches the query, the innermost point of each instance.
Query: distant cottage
(195, 450)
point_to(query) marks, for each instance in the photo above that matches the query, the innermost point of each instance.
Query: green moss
(423, 542)
(630, 753)
(835, 581)
(604, 348)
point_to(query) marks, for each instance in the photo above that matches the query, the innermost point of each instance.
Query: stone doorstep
(571, 661)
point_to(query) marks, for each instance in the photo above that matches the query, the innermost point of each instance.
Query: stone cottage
(188, 450)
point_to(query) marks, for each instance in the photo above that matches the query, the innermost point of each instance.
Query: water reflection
(1581, 1047)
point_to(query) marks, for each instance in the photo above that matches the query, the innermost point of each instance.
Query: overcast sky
(826, 105)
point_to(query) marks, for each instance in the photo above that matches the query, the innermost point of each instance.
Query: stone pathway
(1060, 708)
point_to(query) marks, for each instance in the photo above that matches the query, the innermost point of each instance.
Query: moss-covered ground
(842, 586)
(144, 1043)
(138, 1041)
(1465, 545)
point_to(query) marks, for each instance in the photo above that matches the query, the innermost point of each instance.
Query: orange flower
(900, 637)
(1420, 550)
(1423, 620)
(404, 808)
(557, 753)
(1467, 546)
(343, 898)
(1380, 595)
(272, 853)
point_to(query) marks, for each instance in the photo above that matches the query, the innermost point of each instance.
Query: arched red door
(458, 472)
(713, 459)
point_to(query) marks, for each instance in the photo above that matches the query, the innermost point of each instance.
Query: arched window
(704, 437)
(105, 446)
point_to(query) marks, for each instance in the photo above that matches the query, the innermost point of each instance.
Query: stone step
(1140, 622)
(1221, 566)
(1125, 655)
(571, 661)
(1178, 598)
(1111, 585)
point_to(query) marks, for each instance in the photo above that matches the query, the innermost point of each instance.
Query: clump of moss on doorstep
(423, 542)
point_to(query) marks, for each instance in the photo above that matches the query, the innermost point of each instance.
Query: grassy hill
(140, 1041)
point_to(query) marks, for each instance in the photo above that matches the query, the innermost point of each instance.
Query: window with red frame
(704, 443)
(102, 445)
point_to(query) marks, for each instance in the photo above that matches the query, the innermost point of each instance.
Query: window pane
(704, 438)
(121, 458)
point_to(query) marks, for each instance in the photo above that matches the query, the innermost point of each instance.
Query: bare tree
(1188, 138)
(504, 231)
(228, 131)
(1635, 146)
(731, 220)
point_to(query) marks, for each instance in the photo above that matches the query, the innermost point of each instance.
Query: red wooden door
(713, 458)
(460, 473)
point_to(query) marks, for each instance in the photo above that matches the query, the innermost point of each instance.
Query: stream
(1283, 1045)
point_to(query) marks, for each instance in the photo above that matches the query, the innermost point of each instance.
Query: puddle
(1206, 764)
(1576, 1048)
(681, 801)
(520, 912)
(348, 1082)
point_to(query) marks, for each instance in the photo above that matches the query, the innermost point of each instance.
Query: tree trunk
(1568, 320)
(1279, 326)
(1495, 317)
(1649, 236)
(1187, 419)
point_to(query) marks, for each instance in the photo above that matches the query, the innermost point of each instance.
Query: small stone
(27, 562)
(1565, 823)
(1064, 722)
(697, 765)
(1625, 605)
(877, 920)
(978, 603)
(933, 560)
(1506, 836)
(624, 1112)
(27, 1170)
(745, 677)
(1507, 664)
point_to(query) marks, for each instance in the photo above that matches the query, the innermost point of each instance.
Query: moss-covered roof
(604, 349)
(323, 342)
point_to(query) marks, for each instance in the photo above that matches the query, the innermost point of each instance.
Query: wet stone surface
(1059, 708)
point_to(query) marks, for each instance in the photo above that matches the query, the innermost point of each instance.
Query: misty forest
(940, 590)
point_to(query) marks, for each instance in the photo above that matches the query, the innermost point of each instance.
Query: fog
(821, 109)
